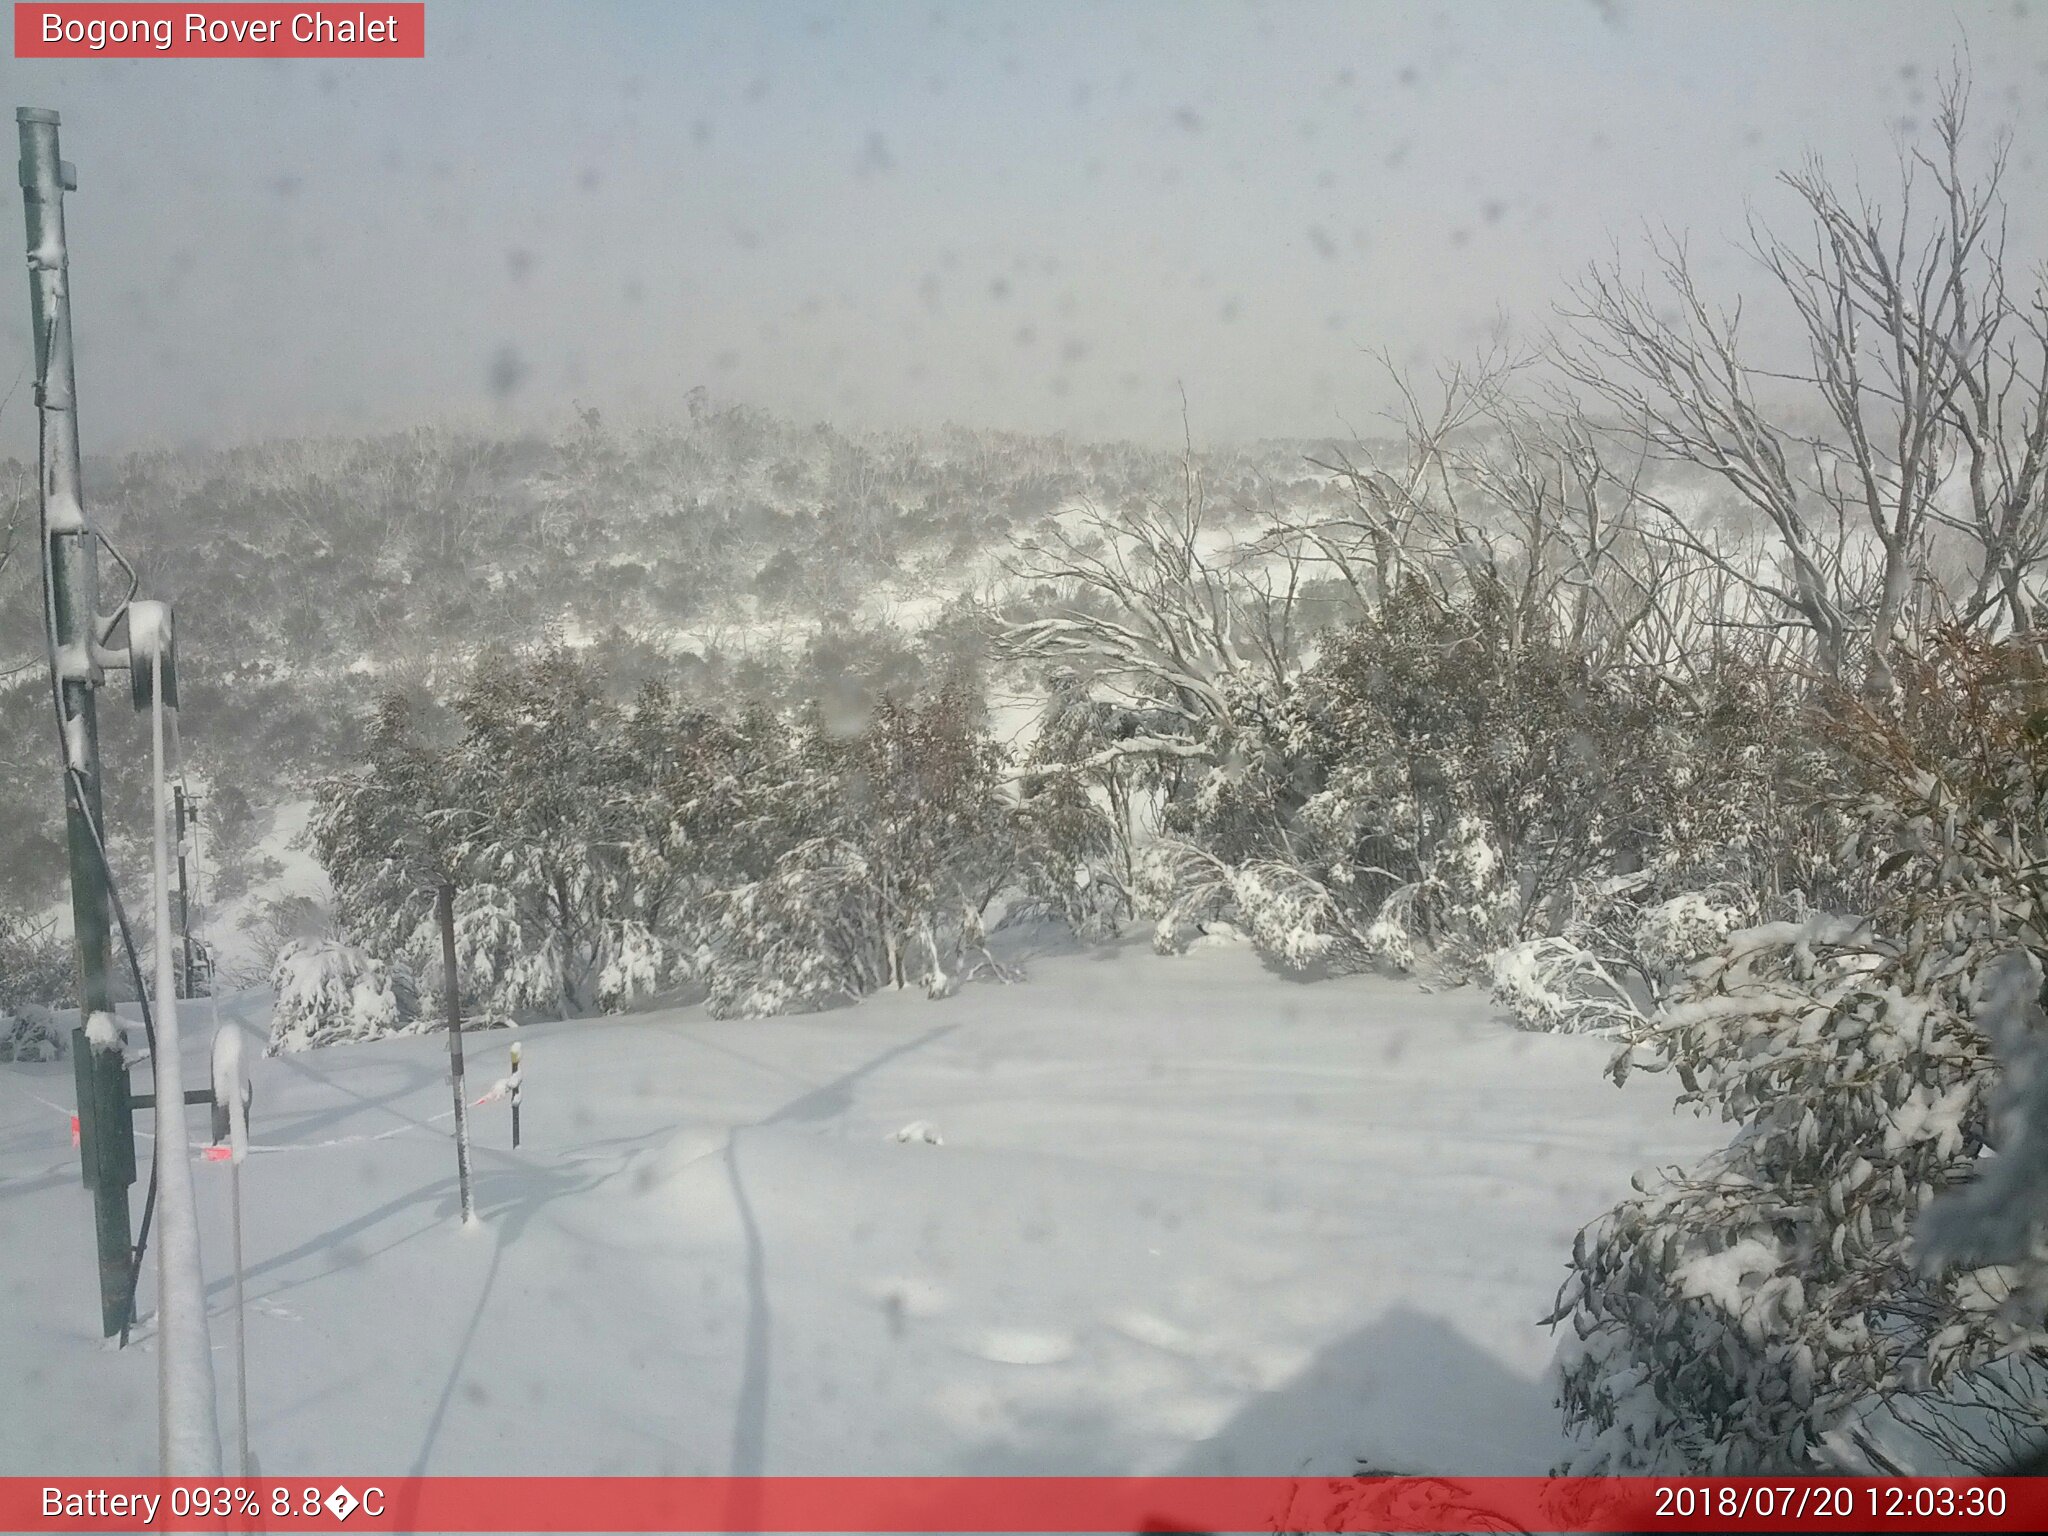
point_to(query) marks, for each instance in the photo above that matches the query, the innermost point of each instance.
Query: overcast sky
(1035, 215)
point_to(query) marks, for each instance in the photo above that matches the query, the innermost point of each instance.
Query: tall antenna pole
(71, 595)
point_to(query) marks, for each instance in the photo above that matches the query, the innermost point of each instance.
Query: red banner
(372, 30)
(976, 1504)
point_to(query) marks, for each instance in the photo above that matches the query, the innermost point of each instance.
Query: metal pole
(241, 1325)
(71, 586)
(184, 894)
(515, 1094)
(444, 901)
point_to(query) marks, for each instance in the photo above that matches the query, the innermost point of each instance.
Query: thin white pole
(188, 1431)
(241, 1331)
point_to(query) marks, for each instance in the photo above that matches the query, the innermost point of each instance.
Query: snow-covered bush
(1428, 789)
(600, 854)
(1673, 933)
(1619, 957)
(1068, 857)
(909, 839)
(30, 1035)
(635, 964)
(801, 938)
(1553, 983)
(1747, 1314)
(543, 810)
(330, 993)
(37, 966)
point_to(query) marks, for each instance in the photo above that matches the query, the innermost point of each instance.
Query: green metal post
(184, 893)
(71, 574)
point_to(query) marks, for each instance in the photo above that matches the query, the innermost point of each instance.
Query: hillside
(306, 574)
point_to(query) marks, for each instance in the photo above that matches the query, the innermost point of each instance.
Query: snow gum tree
(566, 900)
(893, 841)
(529, 808)
(605, 852)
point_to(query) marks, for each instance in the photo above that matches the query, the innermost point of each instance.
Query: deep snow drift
(1149, 1215)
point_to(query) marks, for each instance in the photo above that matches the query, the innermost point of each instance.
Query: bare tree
(1160, 613)
(1405, 519)
(1914, 367)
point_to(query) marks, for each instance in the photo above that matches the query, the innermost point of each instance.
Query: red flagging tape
(1051, 1504)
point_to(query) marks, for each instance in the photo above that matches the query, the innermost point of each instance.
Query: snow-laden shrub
(1312, 915)
(636, 964)
(37, 966)
(1674, 933)
(886, 846)
(1067, 855)
(1293, 917)
(1617, 960)
(1729, 1316)
(1436, 784)
(330, 993)
(599, 853)
(1753, 1313)
(1185, 892)
(1557, 984)
(488, 954)
(30, 1035)
(803, 938)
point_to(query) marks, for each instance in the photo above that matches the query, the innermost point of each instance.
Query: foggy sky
(1042, 216)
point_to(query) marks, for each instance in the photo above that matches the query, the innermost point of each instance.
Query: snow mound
(921, 1130)
(1024, 1346)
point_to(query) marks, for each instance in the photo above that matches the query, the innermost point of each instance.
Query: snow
(1189, 1216)
(229, 1076)
(103, 1032)
(501, 1089)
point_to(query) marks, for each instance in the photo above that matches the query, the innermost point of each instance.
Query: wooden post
(445, 902)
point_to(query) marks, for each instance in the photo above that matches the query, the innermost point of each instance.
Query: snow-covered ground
(1180, 1215)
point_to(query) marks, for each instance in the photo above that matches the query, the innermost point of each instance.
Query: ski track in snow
(1188, 1217)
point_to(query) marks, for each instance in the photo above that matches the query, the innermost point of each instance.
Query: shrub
(329, 993)
(1747, 1314)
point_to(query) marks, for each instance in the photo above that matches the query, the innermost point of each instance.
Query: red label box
(907, 1505)
(367, 29)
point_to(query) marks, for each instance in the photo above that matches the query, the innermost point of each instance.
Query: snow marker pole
(71, 594)
(444, 901)
(515, 1093)
(231, 1097)
(241, 1325)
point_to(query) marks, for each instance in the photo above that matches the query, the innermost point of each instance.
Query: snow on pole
(515, 1093)
(188, 1426)
(230, 1089)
